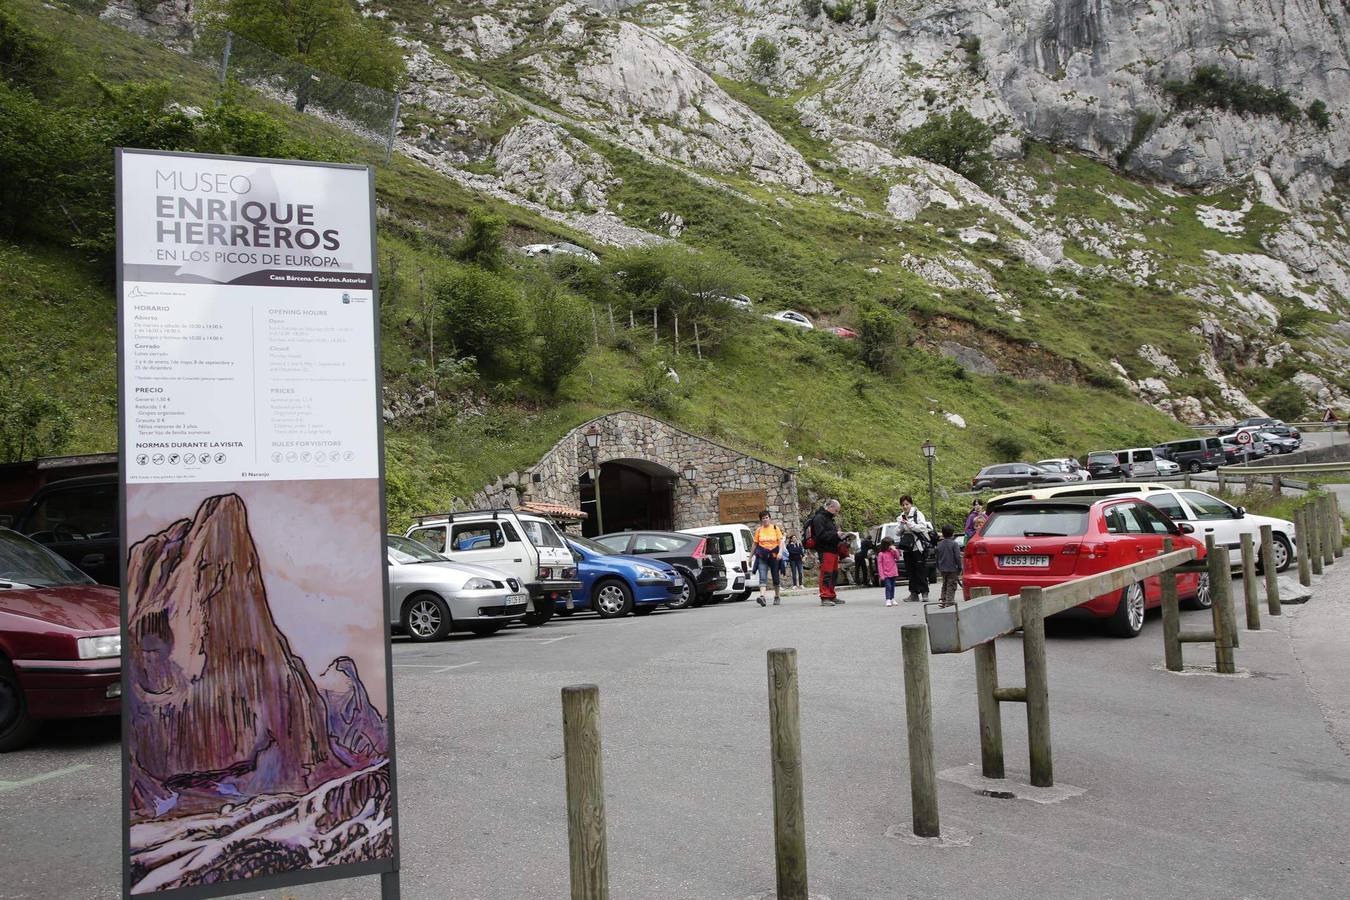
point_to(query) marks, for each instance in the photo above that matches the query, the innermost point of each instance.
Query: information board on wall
(258, 716)
(740, 506)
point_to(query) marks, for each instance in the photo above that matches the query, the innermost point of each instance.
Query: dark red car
(60, 641)
(1040, 543)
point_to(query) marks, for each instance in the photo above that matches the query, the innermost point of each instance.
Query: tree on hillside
(329, 35)
(1286, 402)
(32, 424)
(878, 337)
(481, 243)
(958, 141)
(562, 326)
(763, 56)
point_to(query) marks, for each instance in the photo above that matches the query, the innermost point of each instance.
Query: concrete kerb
(1016, 786)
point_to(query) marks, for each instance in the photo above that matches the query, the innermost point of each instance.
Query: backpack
(809, 534)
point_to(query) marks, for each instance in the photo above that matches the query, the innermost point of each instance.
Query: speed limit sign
(1244, 437)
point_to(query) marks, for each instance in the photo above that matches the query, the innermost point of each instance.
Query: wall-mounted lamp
(689, 474)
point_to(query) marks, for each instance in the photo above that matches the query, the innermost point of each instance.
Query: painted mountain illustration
(242, 763)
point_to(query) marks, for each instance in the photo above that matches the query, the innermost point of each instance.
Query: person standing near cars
(888, 567)
(975, 521)
(862, 573)
(768, 546)
(794, 556)
(949, 565)
(914, 530)
(822, 536)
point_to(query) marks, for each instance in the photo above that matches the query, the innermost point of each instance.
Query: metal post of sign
(1037, 688)
(1268, 568)
(1171, 616)
(1249, 582)
(919, 727)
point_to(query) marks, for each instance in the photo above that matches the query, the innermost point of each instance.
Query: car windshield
(1050, 522)
(541, 534)
(24, 562)
(1102, 457)
(406, 551)
(593, 546)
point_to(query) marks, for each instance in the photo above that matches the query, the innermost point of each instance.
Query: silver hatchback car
(430, 596)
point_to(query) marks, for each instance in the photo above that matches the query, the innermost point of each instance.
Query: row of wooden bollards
(1320, 528)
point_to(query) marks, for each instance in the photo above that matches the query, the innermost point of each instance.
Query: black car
(1016, 474)
(696, 560)
(1193, 454)
(1102, 464)
(77, 519)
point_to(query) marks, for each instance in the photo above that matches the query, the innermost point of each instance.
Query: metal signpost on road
(257, 727)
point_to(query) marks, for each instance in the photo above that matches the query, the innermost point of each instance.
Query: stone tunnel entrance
(634, 495)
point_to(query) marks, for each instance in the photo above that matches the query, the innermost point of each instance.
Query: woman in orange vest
(767, 545)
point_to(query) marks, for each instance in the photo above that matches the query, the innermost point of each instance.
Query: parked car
(840, 331)
(559, 248)
(522, 546)
(1265, 423)
(1278, 443)
(430, 596)
(1193, 454)
(740, 301)
(1102, 464)
(1012, 474)
(1066, 465)
(1137, 462)
(1226, 522)
(791, 318)
(77, 519)
(60, 641)
(1166, 467)
(1255, 448)
(1041, 543)
(733, 544)
(1076, 491)
(614, 585)
(697, 560)
(892, 530)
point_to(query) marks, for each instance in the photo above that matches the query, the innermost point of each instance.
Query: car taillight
(1085, 550)
(979, 549)
(568, 574)
(545, 573)
(701, 549)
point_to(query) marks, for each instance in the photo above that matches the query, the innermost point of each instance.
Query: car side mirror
(1185, 528)
(1239, 512)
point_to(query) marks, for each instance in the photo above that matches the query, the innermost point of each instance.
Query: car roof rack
(449, 516)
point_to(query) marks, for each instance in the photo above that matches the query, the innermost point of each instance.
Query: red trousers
(829, 574)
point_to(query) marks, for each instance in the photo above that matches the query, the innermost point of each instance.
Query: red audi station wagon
(1041, 543)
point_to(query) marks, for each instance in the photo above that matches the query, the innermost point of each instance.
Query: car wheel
(1128, 619)
(535, 618)
(16, 728)
(742, 596)
(487, 629)
(1203, 599)
(426, 618)
(564, 612)
(612, 599)
(1284, 552)
(687, 596)
(1195, 468)
(645, 609)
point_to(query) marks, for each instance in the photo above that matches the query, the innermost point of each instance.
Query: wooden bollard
(1312, 514)
(1276, 486)
(1037, 689)
(586, 836)
(785, 748)
(1227, 616)
(919, 723)
(1249, 582)
(1268, 567)
(1337, 532)
(1186, 481)
(991, 717)
(1171, 615)
(1221, 592)
(1304, 548)
(1328, 531)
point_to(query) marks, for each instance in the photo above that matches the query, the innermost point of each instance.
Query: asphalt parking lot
(1194, 785)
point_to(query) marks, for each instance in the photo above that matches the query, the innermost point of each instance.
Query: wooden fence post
(656, 339)
(1037, 688)
(1337, 532)
(1171, 615)
(585, 792)
(1221, 593)
(919, 724)
(991, 717)
(677, 334)
(785, 742)
(1277, 486)
(1304, 548)
(1248, 550)
(1186, 481)
(1313, 517)
(1268, 567)
(1225, 611)
(1328, 531)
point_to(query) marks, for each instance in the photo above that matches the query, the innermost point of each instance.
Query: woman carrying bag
(914, 529)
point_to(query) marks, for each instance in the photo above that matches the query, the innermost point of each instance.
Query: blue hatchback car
(614, 586)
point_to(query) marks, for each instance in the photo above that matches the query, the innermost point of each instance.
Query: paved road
(1196, 786)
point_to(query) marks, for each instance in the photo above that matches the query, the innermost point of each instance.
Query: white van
(1138, 462)
(524, 546)
(733, 543)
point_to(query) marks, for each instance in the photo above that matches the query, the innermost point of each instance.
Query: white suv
(524, 546)
(732, 543)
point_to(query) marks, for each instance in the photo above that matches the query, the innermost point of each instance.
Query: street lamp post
(593, 442)
(929, 454)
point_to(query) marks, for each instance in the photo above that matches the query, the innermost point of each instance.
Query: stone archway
(635, 494)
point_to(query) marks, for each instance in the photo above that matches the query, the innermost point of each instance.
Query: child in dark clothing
(949, 565)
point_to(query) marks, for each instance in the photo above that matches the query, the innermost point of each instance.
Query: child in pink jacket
(888, 568)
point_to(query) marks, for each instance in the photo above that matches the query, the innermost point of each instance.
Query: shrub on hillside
(811, 8)
(481, 243)
(482, 314)
(878, 337)
(763, 56)
(655, 390)
(1211, 86)
(1007, 447)
(840, 11)
(562, 333)
(958, 141)
(32, 423)
(1318, 115)
(676, 281)
(25, 55)
(1286, 402)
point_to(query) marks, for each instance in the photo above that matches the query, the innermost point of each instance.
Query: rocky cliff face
(359, 733)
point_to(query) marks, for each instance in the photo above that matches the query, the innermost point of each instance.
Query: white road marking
(540, 641)
(438, 669)
(6, 786)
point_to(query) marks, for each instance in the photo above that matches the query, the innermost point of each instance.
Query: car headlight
(104, 647)
(646, 572)
(478, 584)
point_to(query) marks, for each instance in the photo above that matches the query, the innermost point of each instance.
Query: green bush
(811, 8)
(958, 141)
(1007, 447)
(482, 314)
(878, 337)
(1210, 86)
(656, 390)
(1286, 402)
(481, 243)
(871, 11)
(1318, 115)
(562, 333)
(971, 44)
(840, 11)
(763, 56)
(25, 56)
(32, 423)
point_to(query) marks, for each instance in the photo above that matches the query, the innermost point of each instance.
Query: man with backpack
(821, 534)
